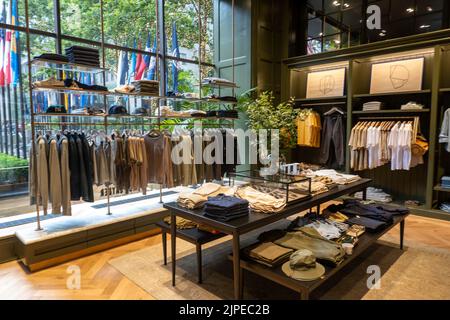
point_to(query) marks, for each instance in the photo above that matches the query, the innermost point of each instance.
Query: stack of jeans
(226, 208)
(83, 55)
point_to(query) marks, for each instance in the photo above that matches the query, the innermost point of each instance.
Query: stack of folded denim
(149, 87)
(83, 55)
(226, 208)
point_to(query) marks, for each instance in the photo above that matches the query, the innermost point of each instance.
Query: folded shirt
(226, 202)
(53, 56)
(225, 213)
(259, 201)
(226, 218)
(268, 253)
(370, 224)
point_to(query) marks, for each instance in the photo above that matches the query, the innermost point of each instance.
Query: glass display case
(292, 188)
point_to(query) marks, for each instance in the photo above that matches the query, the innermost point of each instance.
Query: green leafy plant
(264, 114)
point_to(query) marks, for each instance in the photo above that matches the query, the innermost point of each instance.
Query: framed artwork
(397, 76)
(329, 83)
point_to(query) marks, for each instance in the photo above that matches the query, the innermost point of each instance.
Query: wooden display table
(252, 222)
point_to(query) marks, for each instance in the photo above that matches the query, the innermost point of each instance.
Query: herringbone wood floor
(102, 281)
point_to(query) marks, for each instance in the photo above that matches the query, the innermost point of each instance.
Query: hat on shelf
(117, 109)
(303, 266)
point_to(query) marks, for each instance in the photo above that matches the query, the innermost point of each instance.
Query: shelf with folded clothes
(440, 188)
(67, 90)
(220, 85)
(67, 66)
(390, 111)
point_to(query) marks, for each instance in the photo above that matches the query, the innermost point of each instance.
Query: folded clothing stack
(83, 55)
(197, 198)
(150, 87)
(371, 216)
(222, 98)
(260, 201)
(228, 114)
(372, 106)
(218, 82)
(445, 182)
(375, 195)
(226, 208)
(411, 106)
(49, 83)
(268, 254)
(336, 177)
(74, 84)
(53, 57)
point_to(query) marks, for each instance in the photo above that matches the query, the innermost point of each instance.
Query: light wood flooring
(102, 281)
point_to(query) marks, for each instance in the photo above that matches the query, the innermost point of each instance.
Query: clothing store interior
(225, 150)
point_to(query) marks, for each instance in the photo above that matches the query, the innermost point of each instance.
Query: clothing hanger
(334, 110)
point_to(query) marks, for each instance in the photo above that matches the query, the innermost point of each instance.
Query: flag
(6, 53)
(139, 61)
(15, 59)
(2, 44)
(133, 63)
(175, 53)
(144, 62)
(152, 64)
(122, 70)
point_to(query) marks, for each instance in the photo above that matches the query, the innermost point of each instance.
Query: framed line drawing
(329, 83)
(397, 76)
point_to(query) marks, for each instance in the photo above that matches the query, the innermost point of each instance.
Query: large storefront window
(130, 33)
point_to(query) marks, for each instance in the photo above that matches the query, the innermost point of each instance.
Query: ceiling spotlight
(425, 26)
(321, 34)
(336, 3)
(382, 34)
(346, 5)
(429, 8)
(337, 41)
(410, 10)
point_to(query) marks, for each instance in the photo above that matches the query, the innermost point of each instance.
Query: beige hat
(303, 266)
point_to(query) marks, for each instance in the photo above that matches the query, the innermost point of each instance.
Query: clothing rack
(387, 118)
(160, 99)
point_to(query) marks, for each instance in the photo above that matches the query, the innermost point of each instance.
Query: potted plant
(263, 113)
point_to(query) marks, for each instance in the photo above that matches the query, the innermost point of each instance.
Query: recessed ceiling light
(410, 10)
(425, 26)
(321, 34)
(337, 41)
(336, 3)
(429, 8)
(346, 5)
(382, 34)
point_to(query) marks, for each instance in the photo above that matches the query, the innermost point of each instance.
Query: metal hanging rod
(388, 118)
